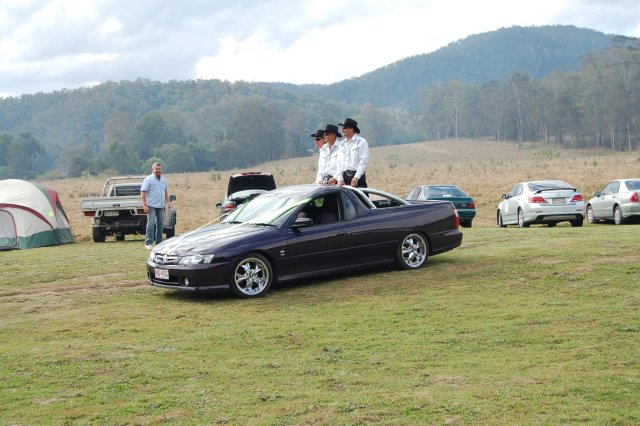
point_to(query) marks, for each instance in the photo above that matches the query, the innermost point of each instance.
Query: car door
(325, 244)
(510, 214)
(603, 205)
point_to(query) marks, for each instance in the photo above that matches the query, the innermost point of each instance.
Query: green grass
(518, 326)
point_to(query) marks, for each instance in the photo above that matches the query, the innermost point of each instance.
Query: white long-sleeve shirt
(353, 155)
(328, 162)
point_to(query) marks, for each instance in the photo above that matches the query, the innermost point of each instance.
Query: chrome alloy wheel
(414, 251)
(252, 276)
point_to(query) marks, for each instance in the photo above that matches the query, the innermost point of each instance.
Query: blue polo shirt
(155, 189)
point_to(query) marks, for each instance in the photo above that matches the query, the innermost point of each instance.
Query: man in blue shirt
(155, 197)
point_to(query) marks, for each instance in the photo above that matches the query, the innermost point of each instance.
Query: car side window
(615, 186)
(517, 190)
(608, 189)
(414, 194)
(348, 207)
(322, 210)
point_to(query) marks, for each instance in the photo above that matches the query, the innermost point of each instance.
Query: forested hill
(497, 85)
(475, 59)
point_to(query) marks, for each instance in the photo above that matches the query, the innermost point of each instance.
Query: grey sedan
(543, 201)
(618, 201)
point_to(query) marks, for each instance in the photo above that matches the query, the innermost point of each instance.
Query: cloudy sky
(48, 45)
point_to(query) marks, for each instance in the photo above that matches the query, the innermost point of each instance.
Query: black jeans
(349, 174)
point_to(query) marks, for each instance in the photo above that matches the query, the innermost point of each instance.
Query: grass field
(517, 326)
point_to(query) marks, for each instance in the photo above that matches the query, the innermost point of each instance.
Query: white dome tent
(31, 216)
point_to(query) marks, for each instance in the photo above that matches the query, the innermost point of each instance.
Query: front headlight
(196, 259)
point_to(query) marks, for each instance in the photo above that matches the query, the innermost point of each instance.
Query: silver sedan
(543, 201)
(618, 201)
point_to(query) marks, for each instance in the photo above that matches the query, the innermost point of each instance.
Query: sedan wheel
(252, 276)
(521, 222)
(413, 252)
(618, 219)
(500, 221)
(590, 217)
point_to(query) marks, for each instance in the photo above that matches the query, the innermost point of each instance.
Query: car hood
(211, 238)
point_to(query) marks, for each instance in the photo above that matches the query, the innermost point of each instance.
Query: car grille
(165, 259)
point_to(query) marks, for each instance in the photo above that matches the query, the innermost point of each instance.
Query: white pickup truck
(119, 210)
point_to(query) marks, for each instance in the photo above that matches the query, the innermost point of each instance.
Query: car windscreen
(245, 182)
(444, 191)
(546, 186)
(633, 185)
(268, 208)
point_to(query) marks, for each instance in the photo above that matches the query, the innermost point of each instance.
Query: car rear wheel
(521, 222)
(252, 276)
(413, 252)
(590, 216)
(618, 219)
(466, 223)
(576, 223)
(170, 232)
(500, 221)
(551, 224)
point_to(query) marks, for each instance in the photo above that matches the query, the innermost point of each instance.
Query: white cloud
(48, 45)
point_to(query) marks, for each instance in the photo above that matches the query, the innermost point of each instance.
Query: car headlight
(196, 259)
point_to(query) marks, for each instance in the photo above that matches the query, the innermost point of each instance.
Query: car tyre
(618, 219)
(252, 276)
(120, 237)
(170, 233)
(413, 252)
(98, 235)
(521, 222)
(500, 221)
(591, 218)
(551, 224)
(576, 223)
(466, 223)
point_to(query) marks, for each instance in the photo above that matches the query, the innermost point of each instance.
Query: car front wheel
(252, 276)
(413, 252)
(618, 219)
(500, 221)
(521, 222)
(590, 216)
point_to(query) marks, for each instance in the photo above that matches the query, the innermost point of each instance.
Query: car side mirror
(218, 205)
(172, 197)
(597, 194)
(302, 222)
(504, 196)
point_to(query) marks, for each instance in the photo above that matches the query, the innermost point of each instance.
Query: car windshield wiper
(261, 224)
(233, 222)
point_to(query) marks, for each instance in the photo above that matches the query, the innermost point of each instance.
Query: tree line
(122, 128)
(596, 106)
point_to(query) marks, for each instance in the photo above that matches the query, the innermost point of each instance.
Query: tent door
(8, 233)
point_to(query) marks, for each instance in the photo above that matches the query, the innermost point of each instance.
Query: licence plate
(161, 274)
(558, 200)
(111, 213)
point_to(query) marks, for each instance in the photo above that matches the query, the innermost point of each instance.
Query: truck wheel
(98, 235)
(120, 237)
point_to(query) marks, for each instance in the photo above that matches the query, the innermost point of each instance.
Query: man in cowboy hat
(354, 156)
(329, 172)
(324, 154)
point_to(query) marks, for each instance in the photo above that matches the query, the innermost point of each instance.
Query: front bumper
(205, 277)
